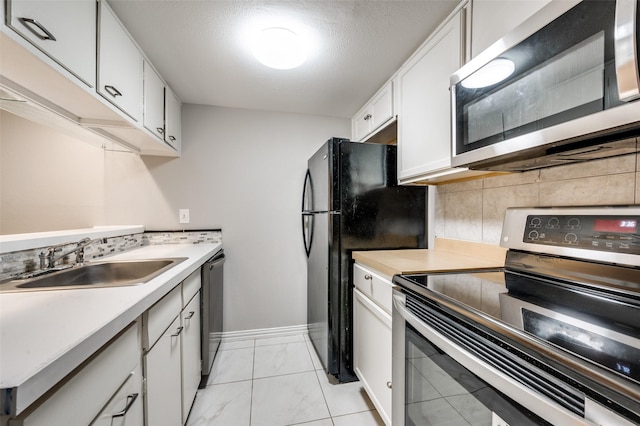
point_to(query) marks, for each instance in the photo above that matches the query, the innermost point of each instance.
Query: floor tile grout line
(252, 382)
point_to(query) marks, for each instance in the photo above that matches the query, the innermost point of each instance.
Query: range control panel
(608, 233)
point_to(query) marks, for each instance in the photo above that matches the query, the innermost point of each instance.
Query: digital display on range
(615, 225)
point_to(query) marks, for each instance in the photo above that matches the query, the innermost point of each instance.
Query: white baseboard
(229, 336)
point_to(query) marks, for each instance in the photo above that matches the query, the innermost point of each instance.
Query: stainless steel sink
(95, 274)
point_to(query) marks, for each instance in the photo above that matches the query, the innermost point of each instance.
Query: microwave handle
(626, 50)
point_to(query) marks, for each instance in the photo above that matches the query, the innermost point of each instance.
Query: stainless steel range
(552, 338)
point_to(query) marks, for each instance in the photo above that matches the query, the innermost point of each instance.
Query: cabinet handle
(29, 23)
(368, 277)
(172, 138)
(160, 130)
(130, 400)
(389, 385)
(178, 331)
(367, 117)
(191, 314)
(112, 91)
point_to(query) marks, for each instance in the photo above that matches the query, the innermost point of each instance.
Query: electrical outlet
(183, 214)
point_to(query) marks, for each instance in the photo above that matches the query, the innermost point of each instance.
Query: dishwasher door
(211, 303)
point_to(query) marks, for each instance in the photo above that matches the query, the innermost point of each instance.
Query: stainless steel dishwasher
(211, 304)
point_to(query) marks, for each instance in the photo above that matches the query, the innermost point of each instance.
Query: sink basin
(95, 274)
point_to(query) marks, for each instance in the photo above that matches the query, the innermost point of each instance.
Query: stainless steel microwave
(563, 87)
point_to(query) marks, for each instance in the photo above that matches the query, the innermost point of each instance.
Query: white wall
(42, 187)
(241, 171)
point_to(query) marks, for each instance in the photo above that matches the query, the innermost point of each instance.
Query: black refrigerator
(351, 201)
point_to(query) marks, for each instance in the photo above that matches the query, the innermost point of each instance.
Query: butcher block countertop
(446, 255)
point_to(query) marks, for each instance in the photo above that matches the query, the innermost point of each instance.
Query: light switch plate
(183, 214)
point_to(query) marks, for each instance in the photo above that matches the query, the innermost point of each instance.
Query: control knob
(571, 238)
(573, 223)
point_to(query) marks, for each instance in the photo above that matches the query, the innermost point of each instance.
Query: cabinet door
(173, 134)
(381, 107)
(361, 124)
(374, 114)
(492, 19)
(424, 116)
(190, 354)
(153, 101)
(63, 29)
(372, 352)
(163, 379)
(120, 69)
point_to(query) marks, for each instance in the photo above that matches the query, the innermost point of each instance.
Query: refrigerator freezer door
(320, 178)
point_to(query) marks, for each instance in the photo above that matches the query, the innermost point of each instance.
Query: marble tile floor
(277, 381)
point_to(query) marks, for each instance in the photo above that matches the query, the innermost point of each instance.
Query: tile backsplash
(29, 260)
(474, 210)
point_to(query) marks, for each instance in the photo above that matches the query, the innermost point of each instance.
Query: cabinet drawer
(190, 287)
(158, 318)
(78, 398)
(125, 408)
(374, 286)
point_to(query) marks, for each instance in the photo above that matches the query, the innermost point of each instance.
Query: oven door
(618, 352)
(437, 380)
(571, 73)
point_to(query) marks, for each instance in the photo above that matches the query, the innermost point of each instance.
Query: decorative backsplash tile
(29, 260)
(182, 237)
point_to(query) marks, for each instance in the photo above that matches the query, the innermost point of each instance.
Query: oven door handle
(516, 391)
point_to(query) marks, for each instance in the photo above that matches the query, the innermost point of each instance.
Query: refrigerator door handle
(307, 216)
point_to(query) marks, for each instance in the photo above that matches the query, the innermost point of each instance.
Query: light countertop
(45, 335)
(446, 255)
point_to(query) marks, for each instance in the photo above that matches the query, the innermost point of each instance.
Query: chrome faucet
(49, 260)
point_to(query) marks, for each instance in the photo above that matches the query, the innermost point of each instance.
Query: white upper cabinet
(64, 30)
(173, 120)
(153, 101)
(424, 106)
(377, 112)
(424, 112)
(492, 19)
(120, 65)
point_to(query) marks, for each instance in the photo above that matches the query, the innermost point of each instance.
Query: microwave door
(571, 78)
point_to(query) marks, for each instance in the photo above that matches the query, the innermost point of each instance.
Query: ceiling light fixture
(492, 73)
(279, 48)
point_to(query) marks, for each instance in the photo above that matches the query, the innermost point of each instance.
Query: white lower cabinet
(191, 370)
(372, 337)
(79, 400)
(162, 361)
(163, 376)
(171, 344)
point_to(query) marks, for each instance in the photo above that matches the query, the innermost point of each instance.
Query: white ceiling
(200, 48)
